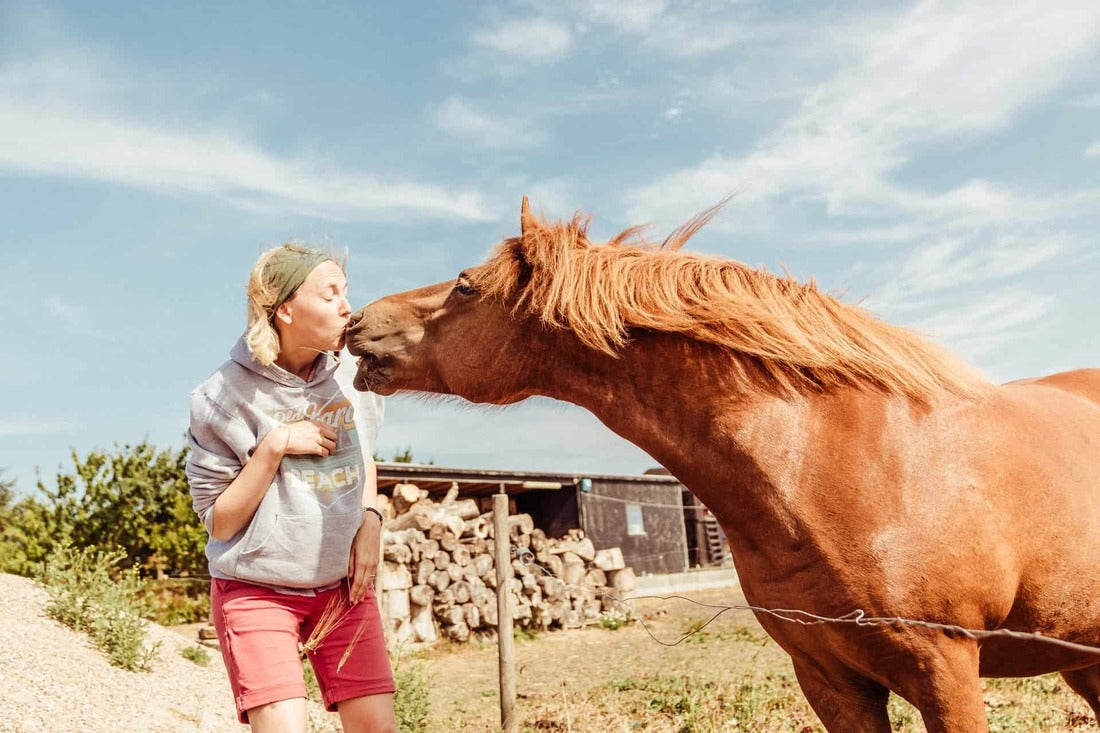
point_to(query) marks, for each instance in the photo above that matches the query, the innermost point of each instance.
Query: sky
(936, 162)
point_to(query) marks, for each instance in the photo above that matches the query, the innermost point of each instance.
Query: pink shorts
(259, 631)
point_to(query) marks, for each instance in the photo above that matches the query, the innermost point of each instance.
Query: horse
(855, 467)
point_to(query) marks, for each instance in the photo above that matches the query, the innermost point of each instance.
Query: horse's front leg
(842, 699)
(944, 685)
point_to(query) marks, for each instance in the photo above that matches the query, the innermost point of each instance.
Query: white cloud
(957, 262)
(939, 72)
(534, 39)
(681, 31)
(633, 17)
(73, 315)
(979, 328)
(60, 118)
(1093, 150)
(462, 119)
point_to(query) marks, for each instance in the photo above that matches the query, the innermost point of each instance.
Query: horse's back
(1080, 382)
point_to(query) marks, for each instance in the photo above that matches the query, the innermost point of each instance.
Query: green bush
(89, 593)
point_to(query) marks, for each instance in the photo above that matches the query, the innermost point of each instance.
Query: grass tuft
(89, 593)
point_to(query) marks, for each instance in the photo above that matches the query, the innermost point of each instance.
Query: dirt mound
(52, 679)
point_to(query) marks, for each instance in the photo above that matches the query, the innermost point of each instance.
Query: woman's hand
(304, 438)
(365, 551)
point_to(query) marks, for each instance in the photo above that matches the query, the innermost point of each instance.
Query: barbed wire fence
(855, 617)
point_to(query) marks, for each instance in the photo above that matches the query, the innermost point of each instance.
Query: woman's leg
(368, 714)
(284, 716)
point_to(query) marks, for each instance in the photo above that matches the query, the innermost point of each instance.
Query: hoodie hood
(241, 354)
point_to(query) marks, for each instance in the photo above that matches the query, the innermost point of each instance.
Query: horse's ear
(527, 221)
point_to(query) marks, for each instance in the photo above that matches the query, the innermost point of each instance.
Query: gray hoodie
(300, 536)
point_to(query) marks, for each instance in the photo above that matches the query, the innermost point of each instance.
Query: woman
(282, 477)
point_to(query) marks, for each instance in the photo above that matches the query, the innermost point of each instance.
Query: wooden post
(505, 640)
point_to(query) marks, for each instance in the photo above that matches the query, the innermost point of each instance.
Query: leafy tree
(134, 498)
(24, 532)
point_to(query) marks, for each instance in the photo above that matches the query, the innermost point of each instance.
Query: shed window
(635, 525)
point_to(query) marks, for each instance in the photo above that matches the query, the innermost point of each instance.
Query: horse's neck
(691, 408)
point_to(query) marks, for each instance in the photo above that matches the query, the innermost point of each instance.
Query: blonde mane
(802, 338)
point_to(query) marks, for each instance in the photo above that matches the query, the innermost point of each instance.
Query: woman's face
(319, 309)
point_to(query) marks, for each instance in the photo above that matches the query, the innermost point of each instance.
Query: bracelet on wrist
(375, 512)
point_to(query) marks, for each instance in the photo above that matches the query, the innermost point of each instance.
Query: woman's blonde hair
(266, 294)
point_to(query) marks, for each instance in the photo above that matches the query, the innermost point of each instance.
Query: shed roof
(483, 481)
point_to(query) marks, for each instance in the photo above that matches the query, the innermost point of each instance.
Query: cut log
(462, 592)
(439, 580)
(538, 540)
(404, 497)
(424, 570)
(421, 595)
(484, 565)
(427, 548)
(455, 572)
(396, 552)
(622, 580)
(442, 560)
(609, 559)
(453, 615)
(444, 599)
(393, 576)
(448, 540)
(422, 623)
(520, 524)
(595, 578)
(478, 527)
(396, 603)
(383, 504)
(584, 549)
(458, 632)
(473, 616)
(573, 573)
(552, 588)
(554, 564)
(445, 524)
(460, 555)
(451, 495)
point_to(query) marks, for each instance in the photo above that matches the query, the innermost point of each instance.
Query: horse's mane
(802, 338)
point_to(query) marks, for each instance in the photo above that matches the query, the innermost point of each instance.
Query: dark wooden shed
(642, 515)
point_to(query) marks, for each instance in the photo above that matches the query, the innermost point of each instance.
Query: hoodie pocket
(300, 551)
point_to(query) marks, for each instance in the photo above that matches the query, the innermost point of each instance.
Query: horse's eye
(464, 288)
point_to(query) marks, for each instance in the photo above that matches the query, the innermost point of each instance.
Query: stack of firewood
(438, 573)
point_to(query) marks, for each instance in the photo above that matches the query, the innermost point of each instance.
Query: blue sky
(936, 161)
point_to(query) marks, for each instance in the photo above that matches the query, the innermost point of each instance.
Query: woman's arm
(366, 549)
(234, 507)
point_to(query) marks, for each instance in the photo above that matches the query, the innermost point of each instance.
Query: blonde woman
(282, 477)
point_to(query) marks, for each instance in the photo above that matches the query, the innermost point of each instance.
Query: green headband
(289, 272)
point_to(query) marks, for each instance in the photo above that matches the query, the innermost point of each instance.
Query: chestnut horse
(852, 464)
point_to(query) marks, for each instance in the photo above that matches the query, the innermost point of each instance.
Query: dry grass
(728, 677)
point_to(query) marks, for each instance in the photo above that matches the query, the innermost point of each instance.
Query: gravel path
(52, 679)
